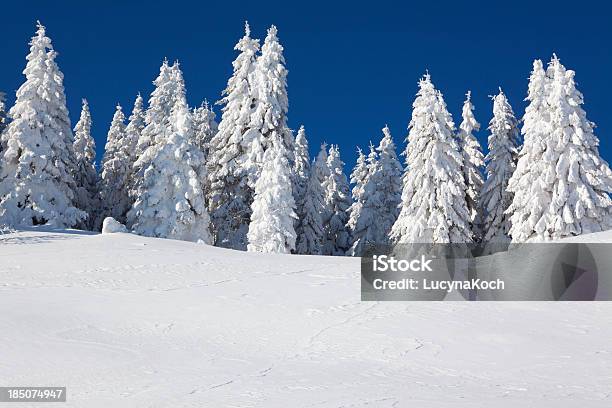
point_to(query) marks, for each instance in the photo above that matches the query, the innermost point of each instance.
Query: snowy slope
(127, 321)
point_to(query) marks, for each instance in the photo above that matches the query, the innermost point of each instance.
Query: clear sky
(352, 68)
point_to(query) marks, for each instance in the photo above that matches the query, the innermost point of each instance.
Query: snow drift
(129, 321)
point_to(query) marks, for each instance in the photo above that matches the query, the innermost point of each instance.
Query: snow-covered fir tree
(387, 180)
(561, 184)
(204, 127)
(157, 124)
(114, 184)
(134, 128)
(133, 133)
(169, 203)
(338, 201)
(158, 112)
(473, 162)
(86, 176)
(380, 197)
(3, 117)
(301, 168)
(230, 196)
(500, 164)
(313, 209)
(273, 211)
(37, 183)
(355, 224)
(433, 206)
(269, 119)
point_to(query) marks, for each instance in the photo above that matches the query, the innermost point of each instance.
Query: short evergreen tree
(271, 229)
(230, 196)
(86, 177)
(501, 163)
(433, 198)
(204, 127)
(359, 177)
(169, 203)
(338, 201)
(473, 162)
(310, 231)
(37, 183)
(561, 184)
(380, 197)
(114, 185)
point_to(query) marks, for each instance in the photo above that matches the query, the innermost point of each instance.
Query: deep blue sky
(352, 68)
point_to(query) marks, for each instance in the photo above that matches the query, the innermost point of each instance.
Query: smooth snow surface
(129, 321)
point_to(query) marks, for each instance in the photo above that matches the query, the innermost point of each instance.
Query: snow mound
(129, 321)
(112, 226)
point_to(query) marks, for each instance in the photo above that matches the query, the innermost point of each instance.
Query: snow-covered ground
(127, 321)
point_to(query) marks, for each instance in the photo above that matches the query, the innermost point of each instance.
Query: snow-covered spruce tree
(356, 221)
(338, 201)
(170, 200)
(271, 229)
(433, 205)
(473, 162)
(387, 180)
(3, 117)
(301, 168)
(381, 197)
(158, 113)
(561, 184)
(310, 231)
(37, 183)
(134, 128)
(86, 177)
(157, 117)
(230, 196)
(501, 163)
(114, 186)
(204, 127)
(269, 119)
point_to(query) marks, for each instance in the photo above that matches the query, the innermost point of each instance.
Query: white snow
(130, 321)
(112, 226)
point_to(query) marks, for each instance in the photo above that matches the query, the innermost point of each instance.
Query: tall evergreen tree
(561, 184)
(115, 169)
(501, 163)
(134, 128)
(230, 196)
(271, 229)
(3, 117)
(310, 231)
(86, 176)
(338, 201)
(204, 127)
(158, 113)
(133, 134)
(301, 168)
(37, 183)
(157, 124)
(473, 162)
(433, 197)
(169, 203)
(269, 119)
